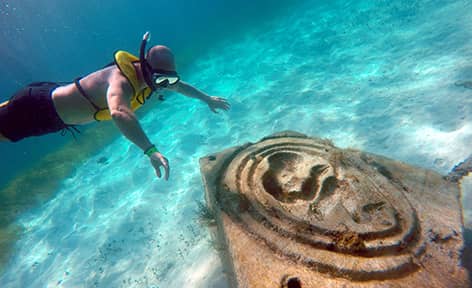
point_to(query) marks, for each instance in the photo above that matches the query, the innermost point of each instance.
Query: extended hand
(158, 160)
(218, 103)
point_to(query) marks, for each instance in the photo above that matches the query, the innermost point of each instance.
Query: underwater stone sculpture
(295, 211)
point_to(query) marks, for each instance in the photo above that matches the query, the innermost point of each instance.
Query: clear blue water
(374, 75)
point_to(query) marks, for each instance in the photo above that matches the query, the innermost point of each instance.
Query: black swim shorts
(30, 112)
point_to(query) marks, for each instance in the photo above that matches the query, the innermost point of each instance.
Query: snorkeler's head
(161, 58)
(158, 65)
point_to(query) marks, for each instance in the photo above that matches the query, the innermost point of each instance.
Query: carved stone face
(311, 189)
(349, 214)
(317, 193)
(294, 208)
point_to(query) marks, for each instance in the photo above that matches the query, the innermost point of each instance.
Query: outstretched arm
(213, 102)
(118, 97)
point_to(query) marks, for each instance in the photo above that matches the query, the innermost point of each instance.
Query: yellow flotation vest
(124, 61)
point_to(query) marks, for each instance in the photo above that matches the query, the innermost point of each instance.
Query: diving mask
(164, 78)
(155, 78)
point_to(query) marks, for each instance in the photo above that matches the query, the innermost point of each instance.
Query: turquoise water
(374, 75)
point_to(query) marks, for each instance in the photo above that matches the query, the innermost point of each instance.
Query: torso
(72, 107)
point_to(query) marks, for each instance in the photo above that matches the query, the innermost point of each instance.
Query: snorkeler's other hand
(215, 102)
(158, 160)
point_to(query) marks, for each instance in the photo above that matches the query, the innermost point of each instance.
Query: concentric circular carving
(329, 209)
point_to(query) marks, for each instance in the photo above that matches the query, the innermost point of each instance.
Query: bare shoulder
(118, 81)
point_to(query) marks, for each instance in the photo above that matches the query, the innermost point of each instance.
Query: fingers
(165, 165)
(219, 103)
(158, 161)
(226, 106)
(167, 171)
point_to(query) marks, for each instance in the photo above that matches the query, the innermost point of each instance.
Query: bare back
(73, 107)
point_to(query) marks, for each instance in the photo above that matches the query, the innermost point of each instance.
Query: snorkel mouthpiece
(144, 64)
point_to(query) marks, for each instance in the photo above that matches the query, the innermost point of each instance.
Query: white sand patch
(445, 148)
(199, 273)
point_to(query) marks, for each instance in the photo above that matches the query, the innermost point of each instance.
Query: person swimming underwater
(111, 93)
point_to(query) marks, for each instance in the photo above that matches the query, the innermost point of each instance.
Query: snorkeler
(111, 93)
